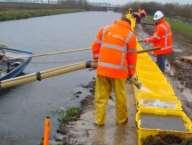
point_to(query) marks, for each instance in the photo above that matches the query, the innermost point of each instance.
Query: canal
(23, 108)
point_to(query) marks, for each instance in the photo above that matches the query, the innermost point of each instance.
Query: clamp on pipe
(38, 75)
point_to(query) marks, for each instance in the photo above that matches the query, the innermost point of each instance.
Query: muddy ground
(84, 132)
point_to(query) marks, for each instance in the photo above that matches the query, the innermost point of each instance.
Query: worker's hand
(146, 40)
(92, 65)
(134, 80)
(152, 53)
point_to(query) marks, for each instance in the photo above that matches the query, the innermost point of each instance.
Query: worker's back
(113, 53)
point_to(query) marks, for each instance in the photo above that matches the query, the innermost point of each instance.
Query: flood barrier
(159, 110)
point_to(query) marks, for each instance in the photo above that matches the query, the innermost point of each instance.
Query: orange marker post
(47, 130)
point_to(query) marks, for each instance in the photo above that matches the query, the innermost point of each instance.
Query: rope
(81, 49)
(59, 52)
(54, 53)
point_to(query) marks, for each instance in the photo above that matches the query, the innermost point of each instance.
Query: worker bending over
(129, 16)
(139, 15)
(162, 38)
(115, 51)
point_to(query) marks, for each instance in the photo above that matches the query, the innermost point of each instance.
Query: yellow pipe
(61, 70)
(18, 80)
(44, 74)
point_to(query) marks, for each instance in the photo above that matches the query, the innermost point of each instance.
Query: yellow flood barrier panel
(162, 122)
(159, 109)
(152, 79)
(155, 101)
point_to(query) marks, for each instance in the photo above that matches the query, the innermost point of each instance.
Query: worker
(142, 13)
(3, 58)
(1, 62)
(162, 38)
(130, 11)
(136, 14)
(139, 15)
(129, 16)
(4, 62)
(115, 51)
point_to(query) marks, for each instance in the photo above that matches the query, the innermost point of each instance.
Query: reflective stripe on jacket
(115, 49)
(162, 38)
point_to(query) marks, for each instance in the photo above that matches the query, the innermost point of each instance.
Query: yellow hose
(60, 52)
(44, 74)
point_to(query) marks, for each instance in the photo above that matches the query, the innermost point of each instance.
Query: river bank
(12, 11)
(82, 131)
(67, 118)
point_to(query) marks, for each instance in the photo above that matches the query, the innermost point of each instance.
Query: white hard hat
(158, 15)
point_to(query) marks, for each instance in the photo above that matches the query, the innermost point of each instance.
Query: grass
(181, 27)
(14, 14)
(71, 114)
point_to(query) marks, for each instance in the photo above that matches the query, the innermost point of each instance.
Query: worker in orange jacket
(115, 51)
(162, 38)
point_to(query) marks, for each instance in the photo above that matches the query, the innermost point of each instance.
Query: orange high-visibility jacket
(162, 38)
(115, 49)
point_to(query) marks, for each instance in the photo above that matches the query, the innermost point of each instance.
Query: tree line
(170, 9)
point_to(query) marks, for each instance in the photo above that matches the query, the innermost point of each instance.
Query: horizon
(122, 2)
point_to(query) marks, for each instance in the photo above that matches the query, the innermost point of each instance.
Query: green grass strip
(178, 26)
(181, 27)
(21, 14)
(71, 114)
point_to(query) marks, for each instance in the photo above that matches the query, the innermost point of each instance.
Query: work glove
(92, 65)
(134, 80)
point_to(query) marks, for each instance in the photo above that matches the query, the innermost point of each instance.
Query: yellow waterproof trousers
(104, 86)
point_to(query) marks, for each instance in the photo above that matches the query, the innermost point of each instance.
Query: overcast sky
(125, 1)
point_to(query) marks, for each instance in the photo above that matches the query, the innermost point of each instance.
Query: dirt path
(86, 133)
